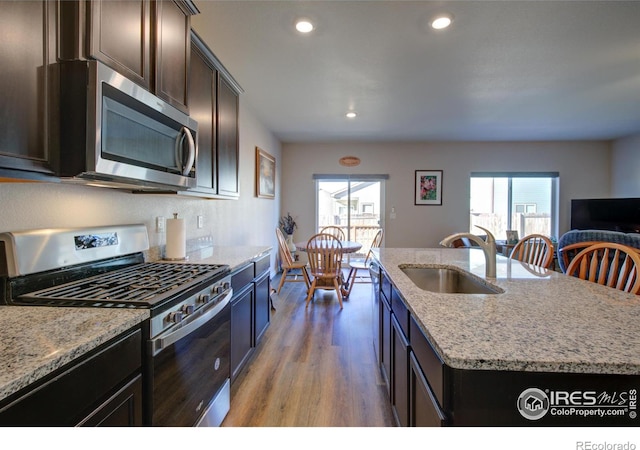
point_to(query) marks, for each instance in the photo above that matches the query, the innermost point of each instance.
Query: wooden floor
(315, 366)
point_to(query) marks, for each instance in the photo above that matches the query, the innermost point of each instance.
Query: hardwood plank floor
(315, 366)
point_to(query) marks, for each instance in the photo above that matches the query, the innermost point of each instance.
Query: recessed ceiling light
(304, 26)
(442, 21)
(351, 115)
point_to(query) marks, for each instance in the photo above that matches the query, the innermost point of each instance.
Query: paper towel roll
(176, 239)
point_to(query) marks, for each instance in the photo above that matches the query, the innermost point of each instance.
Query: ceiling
(504, 70)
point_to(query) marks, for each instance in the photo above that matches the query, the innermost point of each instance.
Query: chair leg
(282, 279)
(337, 285)
(312, 289)
(305, 275)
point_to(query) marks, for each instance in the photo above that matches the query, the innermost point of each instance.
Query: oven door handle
(163, 341)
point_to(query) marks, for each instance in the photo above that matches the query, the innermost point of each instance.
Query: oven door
(191, 369)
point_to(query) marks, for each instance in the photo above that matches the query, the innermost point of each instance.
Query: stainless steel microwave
(113, 132)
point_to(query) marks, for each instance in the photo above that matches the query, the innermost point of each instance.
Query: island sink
(446, 280)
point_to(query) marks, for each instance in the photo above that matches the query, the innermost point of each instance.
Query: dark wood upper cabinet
(120, 36)
(146, 41)
(27, 49)
(213, 102)
(173, 51)
(228, 180)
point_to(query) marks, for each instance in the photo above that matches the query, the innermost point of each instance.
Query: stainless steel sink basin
(445, 280)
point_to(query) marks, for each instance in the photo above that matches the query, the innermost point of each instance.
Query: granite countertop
(234, 256)
(543, 321)
(36, 340)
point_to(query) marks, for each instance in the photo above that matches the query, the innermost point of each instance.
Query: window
(525, 202)
(352, 202)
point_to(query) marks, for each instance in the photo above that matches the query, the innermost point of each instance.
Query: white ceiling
(504, 70)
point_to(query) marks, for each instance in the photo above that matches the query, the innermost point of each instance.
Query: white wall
(583, 166)
(625, 167)
(247, 221)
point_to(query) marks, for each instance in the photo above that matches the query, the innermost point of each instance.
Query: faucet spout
(488, 247)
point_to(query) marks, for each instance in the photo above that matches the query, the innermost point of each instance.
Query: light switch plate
(200, 221)
(160, 223)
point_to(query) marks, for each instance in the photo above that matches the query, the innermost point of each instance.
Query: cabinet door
(202, 105)
(27, 47)
(385, 342)
(124, 409)
(263, 306)
(399, 374)
(126, 52)
(423, 408)
(173, 51)
(241, 329)
(228, 183)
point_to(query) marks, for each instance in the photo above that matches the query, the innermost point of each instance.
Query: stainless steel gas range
(187, 343)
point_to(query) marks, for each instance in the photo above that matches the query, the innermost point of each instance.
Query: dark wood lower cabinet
(101, 389)
(399, 375)
(263, 305)
(385, 342)
(423, 408)
(241, 333)
(250, 310)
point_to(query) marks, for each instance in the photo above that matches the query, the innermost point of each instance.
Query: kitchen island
(545, 338)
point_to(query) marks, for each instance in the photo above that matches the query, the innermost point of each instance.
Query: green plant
(287, 224)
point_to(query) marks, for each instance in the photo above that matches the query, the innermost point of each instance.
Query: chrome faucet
(488, 246)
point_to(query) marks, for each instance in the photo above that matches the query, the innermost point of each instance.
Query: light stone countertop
(546, 321)
(36, 340)
(234, 256)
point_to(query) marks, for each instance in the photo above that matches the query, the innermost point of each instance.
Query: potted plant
(287, 225)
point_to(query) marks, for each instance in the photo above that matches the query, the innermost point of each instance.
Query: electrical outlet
(160, 224)
(200, 221)
(392, 215)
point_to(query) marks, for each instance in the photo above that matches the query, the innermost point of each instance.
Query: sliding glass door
(353, 203)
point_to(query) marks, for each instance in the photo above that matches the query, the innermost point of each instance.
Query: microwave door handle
(185, 133)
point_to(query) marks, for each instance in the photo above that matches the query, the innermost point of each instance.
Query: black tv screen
(613, 214)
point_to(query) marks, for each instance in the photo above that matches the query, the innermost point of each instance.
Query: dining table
(347, 247)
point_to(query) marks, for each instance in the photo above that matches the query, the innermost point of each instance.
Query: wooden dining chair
(535, 249)
(568, 252)
(334, 231)
(355, 267)
(289, 265)
(324, 252)
(609, 264)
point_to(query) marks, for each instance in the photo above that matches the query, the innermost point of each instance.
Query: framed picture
(428, 187)
(512, 236)
(265, 174)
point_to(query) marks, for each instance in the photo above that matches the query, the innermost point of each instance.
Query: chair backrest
(534, 249)
(609, 264)
(335, 231)
(324, 252)
(568, 252)
(285, 255)
(375, 243)
(577, 236)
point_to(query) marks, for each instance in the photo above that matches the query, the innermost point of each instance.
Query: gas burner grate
(140, 284)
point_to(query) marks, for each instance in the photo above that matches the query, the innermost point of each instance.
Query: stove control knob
(188, 309)
(175, 317)
(204, 298)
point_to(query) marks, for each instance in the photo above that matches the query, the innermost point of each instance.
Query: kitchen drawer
(262, 265)
(428, 360)
(400, 311)
(385, 286)
(242, 277)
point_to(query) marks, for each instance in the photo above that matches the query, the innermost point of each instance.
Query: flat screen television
(613, 214)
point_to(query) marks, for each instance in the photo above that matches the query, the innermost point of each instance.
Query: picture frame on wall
(265, 174)
(428, 187)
